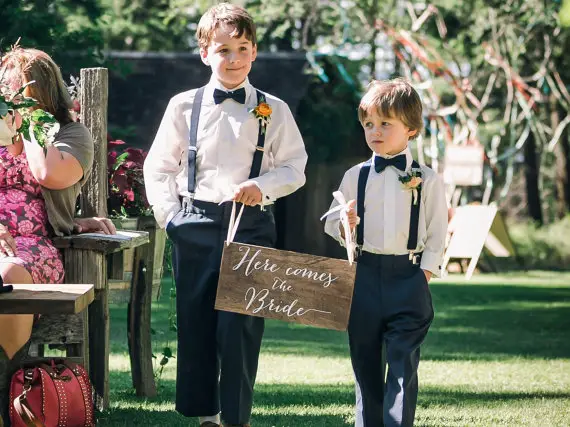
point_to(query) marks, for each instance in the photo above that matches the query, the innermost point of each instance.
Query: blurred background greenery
(345, 49)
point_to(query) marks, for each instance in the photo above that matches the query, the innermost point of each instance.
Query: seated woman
(38, 194)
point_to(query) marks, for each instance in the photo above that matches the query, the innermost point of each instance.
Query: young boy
(400, 229)
(212, 147)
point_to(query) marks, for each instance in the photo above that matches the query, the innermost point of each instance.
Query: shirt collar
(406, 151)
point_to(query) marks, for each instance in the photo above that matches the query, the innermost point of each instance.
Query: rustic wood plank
(115, 267)
(139, 313)
(99, 347)
(58, 329)
(105, 243)
(81, 263)
(94, 96)
(284, 285)
(46, 299)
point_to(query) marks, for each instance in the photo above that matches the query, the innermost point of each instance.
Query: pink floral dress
(23, 211)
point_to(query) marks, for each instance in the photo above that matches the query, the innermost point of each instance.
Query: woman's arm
(53, 169)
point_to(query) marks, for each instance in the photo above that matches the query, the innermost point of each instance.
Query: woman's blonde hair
(20, 66)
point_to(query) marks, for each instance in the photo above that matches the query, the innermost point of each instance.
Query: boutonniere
(262, 112)
(412, 181)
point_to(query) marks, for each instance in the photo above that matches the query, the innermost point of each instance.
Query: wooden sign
(469, 230)
(463, 165)
(284, 285)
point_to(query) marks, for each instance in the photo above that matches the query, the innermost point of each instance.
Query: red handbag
(51, 395)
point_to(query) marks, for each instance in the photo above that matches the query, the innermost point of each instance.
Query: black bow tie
(237, 95)
(399, 162)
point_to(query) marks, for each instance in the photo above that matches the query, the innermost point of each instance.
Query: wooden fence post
(139, 312)
(94, 96)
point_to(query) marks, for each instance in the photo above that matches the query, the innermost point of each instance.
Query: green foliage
(147, 25)
(546, 247)
(329, 121)
(57, 27)
(565, 14)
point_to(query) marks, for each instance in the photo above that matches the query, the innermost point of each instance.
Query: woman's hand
(94, 225)
(7, 243)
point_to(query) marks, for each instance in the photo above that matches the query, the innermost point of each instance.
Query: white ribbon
(349, 236)
(234, 222)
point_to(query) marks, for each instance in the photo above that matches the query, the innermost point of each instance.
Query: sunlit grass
(498, 354)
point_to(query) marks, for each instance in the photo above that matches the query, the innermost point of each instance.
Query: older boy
(225, 141)
(401, 233)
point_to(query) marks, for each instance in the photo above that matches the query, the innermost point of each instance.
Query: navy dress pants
(391, 307)
(217, 351)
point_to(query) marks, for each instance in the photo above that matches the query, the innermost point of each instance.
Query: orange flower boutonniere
(412, 181)
(262, 112)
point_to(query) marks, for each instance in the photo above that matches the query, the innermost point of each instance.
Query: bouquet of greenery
(18, 116)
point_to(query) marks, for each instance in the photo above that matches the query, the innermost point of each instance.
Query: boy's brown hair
(393, 98)
(225, 14)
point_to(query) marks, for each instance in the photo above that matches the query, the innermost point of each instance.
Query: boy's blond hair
(393, 98)
(225, 14)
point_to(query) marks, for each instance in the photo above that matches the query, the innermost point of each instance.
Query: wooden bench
(53, 302)
(86, 259)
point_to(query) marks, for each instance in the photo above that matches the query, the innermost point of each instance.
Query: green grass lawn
(498, 354)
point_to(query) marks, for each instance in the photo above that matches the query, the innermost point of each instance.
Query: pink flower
(25, 227)
(413, 183)
(16, 196)
(35, 210)
(48, 252)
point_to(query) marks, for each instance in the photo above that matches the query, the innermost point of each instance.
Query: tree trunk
(531, 174)
(561, 163)
(564, 146)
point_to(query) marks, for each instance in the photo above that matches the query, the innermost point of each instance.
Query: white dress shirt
(226, 141)
(387, 213)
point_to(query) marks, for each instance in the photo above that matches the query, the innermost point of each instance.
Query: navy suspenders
(414, 210)
(362, 180)
(258, 155)
(192, 150)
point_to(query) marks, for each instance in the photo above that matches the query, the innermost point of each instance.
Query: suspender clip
(258, 148)
(187, 202)
(415, 258)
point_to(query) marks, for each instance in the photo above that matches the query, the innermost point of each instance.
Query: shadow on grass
(472, 322)
(324, 402)
(322, 405)
(493, 321)
(429, 396)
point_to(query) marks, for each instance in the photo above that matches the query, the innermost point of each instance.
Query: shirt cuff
(431, 262)
(163, 216)
(266, 198)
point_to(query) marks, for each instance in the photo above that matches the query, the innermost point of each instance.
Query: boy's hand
(351, 214)
(248, 193)
(428, 275)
